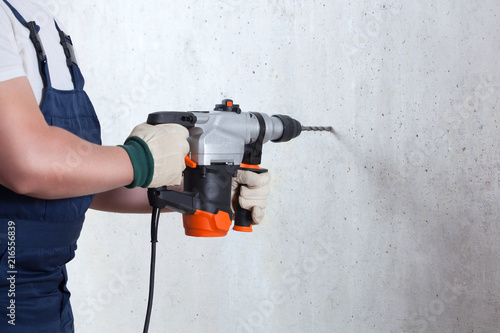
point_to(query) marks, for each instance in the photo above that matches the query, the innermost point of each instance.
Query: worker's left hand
(251, 189)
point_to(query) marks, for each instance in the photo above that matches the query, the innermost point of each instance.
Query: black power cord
(155, 218)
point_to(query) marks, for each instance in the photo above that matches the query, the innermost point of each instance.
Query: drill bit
(317, 128)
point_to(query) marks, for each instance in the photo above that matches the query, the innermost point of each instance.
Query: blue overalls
(38, 237)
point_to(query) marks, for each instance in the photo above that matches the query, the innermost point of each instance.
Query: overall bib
(38, 237)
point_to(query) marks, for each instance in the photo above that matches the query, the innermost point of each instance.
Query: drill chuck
(291, 128)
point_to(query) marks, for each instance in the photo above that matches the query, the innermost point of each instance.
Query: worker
(53, 168)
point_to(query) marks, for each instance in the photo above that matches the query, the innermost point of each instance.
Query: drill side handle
(243, 217)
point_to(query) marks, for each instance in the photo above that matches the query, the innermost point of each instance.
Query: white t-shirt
(17, 54)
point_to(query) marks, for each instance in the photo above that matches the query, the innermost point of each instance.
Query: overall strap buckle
(67, 44)
(37, 42)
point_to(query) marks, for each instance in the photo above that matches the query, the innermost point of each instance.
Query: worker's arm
(48, 162)
(125, 200)
(122, 200)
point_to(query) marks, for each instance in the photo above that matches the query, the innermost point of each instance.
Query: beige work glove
(157, 153)
(251, 189)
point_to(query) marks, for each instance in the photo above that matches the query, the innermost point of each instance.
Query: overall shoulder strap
(69, 52)
(37, 44)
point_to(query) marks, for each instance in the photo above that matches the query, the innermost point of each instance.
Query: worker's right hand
(157, 154)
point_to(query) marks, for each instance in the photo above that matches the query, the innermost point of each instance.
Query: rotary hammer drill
(221, 141)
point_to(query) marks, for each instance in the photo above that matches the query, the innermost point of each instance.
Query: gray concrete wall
(391, 225)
